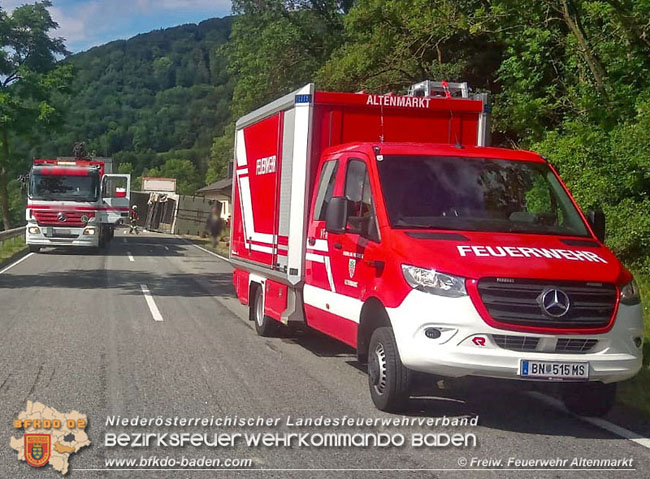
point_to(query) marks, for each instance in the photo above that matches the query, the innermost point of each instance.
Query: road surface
(78, 332)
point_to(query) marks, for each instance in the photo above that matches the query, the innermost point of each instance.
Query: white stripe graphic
(241, 149)
(316, 258)
(330, 278)
(339, 304)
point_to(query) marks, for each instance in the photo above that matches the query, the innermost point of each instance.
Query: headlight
(434, 282)
(89, 231)
(34, 230)
(630, 293)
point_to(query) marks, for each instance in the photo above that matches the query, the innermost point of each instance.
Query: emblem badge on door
(352, 266)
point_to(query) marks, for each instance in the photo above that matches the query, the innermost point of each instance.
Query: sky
(87, 23)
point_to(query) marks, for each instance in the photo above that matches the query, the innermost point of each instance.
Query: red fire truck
(74, 202)
(386, 222)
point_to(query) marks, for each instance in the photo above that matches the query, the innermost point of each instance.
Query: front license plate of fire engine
(553, 370)
(60, 232)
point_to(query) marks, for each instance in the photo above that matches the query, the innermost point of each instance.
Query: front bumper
(47, 237)
(457, 352)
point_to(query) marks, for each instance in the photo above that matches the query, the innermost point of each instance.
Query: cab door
(337, 275)
(354, 253)
(116, 197)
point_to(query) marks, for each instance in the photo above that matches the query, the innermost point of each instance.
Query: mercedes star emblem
(62, 217)
(555, 302)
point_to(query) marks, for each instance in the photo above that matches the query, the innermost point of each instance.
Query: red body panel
(259, 179)
(275, 299)
(240, 281)
(332, 325)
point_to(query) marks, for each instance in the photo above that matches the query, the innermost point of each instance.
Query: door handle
(337, 245)
(311, 241)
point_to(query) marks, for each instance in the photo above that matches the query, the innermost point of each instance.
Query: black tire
(264, 326)
(34, 249)
(589, 399)
(388, 379)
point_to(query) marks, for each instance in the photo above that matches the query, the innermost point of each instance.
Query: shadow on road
(137, 245)
(500, 404)
(171, 284)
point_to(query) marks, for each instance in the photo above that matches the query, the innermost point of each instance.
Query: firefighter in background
(133, 218)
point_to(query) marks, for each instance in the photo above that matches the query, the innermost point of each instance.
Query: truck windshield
(476, 194)
(62, 187)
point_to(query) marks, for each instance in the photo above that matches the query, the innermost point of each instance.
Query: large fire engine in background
(74, 202)
(386, 222)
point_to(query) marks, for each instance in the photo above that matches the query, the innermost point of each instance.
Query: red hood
(477, 254)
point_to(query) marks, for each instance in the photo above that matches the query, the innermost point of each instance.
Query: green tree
(29, 77)
(392, 44)
(188, 179)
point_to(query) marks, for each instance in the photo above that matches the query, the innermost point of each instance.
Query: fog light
(638, 341)
(89, 231)
(432, 333)
(34, 230)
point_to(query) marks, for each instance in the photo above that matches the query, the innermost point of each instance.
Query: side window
(357, 189)
(325, 189)
(361, 212)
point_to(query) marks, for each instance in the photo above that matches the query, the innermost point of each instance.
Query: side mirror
(596, 219)
(337, 215)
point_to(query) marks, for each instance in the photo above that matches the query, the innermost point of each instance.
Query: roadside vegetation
(10, 247)
(221, 248)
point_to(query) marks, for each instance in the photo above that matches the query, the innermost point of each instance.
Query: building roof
(225, 184)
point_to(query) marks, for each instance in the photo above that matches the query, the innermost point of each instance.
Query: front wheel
(389, 380)
(589, 399)
(264, 326)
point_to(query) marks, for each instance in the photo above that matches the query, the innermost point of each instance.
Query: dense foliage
(571, 78)
(29, 80)
(152, 102)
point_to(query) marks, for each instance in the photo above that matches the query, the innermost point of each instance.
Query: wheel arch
(254, 282)
(373, 315)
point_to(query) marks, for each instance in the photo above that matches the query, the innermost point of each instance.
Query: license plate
(60, 232)
(553, 369)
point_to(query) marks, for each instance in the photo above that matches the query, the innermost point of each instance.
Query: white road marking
(17, 262)
(124, 239)
(596, 421)
(130, 256)
(151, 303)
(207, 251)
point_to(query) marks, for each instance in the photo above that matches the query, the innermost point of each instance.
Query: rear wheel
(589, 399)
(34, 249)
(389, 380)
(264, 325)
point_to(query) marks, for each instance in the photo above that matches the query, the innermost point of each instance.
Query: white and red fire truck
(74, 202)
(386, 222)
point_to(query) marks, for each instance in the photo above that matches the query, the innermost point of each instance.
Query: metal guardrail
(12, 233)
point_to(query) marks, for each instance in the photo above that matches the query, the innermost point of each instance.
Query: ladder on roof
(428, 88)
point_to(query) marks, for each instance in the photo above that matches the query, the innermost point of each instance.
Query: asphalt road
(76, 333)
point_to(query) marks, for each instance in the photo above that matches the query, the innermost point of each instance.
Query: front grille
(516, 302)
(516, 343)
(50, 218)
(575, 345)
